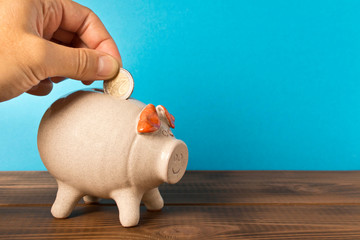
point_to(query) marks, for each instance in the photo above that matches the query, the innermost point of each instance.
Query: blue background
(252, 84)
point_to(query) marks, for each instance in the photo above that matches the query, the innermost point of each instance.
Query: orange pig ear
(170, 118)
(149, 120)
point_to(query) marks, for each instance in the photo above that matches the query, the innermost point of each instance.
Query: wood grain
(204, 205)
(187, 222)
(211, 187)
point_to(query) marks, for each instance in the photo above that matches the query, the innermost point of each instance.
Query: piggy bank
(98, 146)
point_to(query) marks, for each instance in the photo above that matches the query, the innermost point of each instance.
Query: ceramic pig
(98, 146)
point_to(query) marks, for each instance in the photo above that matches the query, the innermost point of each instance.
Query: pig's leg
(128, 203)
(153, 200)
(91, 199)
(66, 199)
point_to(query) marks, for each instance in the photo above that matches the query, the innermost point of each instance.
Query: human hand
(45, 41)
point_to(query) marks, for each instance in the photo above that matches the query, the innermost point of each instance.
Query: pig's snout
(178, 159)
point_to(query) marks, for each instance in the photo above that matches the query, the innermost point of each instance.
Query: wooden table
(204, 205)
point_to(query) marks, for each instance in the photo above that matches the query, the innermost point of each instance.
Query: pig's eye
(165, 133)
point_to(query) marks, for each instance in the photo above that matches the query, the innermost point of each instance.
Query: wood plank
(187, 222)
(27, 187)
(211, 187)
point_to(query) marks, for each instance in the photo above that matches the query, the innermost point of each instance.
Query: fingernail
(107, 67)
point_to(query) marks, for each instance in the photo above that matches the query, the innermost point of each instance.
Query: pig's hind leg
(91, 199)
(66, 199)
(153, 200)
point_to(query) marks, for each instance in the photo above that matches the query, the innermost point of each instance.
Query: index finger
(89, 28)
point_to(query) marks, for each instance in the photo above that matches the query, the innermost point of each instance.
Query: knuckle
(82, 65)
(33, 61)
(31, 75)
(51, 8)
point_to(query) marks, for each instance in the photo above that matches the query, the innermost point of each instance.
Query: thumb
(80, 63)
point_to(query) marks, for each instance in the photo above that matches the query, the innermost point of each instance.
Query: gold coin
(120, 86)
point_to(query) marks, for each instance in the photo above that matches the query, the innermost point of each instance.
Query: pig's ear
(164, 112)
(149, 120)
